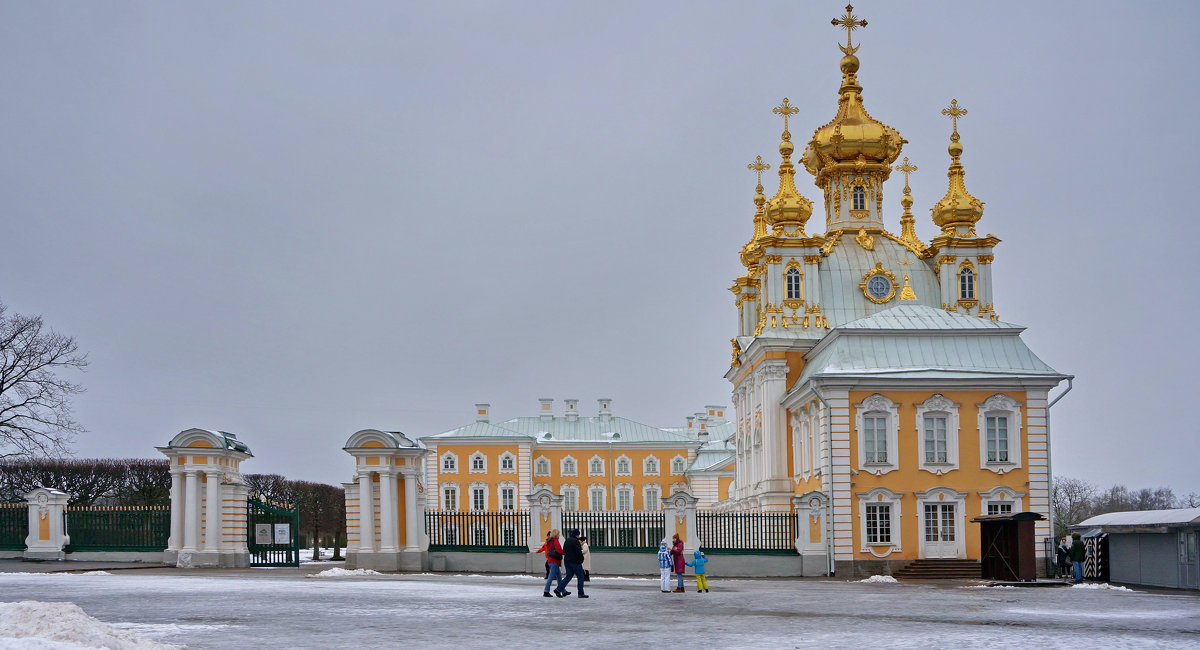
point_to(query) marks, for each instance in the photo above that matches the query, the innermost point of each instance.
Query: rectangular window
(506, 463)
(939, 522)
(624, 499)
(450, 498)
(570, 500)
(793, 284)
(477, 498)
(935, 439)
(652, 502)
(507, 498)
(875, 439)
(879, 523)
(997, 439)
(999, 508)
(597, 500)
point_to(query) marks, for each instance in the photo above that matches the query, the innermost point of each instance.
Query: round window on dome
(879, 285)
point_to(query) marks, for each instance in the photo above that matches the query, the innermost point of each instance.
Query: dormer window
(966, 284)
(860, 199)
(793, 283)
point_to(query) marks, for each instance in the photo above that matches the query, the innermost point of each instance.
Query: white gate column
(387, 511)
(413, 520)
(212, 511)
(176, 540)
(366, 513)
(191, 509)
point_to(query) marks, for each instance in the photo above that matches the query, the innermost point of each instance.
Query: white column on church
(774, 451)
(191, 510)
(366, 513)
(177, 510)
(387, 511)
(412, 523)
(212, 512)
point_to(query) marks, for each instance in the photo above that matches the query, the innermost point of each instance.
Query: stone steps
(940, 569)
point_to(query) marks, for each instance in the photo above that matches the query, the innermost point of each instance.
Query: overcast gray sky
(295, 220)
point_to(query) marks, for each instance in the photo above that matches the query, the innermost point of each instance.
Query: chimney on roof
(702, 433)
(690, 430)
(572, 409)
(605, 413)
(716, 413)
(481, 412)
(546, 409)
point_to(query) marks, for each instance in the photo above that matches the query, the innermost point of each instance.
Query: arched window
(624, 466)
(793, 283)
(596, 467)
(860, 198)
(650, 465)
(507, 462)
(542, 467)
(449, 463)
(478, 463)
(966, 284)
(677, 465)
(568, 466)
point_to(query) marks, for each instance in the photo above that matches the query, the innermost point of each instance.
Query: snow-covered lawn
(279, 608)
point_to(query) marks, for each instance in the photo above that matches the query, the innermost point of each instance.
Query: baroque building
(875, 389)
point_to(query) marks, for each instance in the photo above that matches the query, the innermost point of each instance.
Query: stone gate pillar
(47, 530)
(208, 500)
(811, 542)
(545, 514)
(385, 518)
(679, 511)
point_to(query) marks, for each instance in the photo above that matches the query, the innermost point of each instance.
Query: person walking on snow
(573, 561)
(701, 579)
(677, 556)
(554, 558)
(664, 567)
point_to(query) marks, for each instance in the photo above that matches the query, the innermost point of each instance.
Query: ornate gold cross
(758, 166)
(906, 168)
(905, 263)
(954, 112)
(785, 109)
(849, 22)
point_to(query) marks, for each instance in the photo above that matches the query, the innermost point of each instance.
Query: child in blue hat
(701, 579)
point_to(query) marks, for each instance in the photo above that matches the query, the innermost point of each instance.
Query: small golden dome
(958, 207)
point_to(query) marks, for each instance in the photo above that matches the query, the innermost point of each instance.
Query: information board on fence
(262, 533)
(283, 534)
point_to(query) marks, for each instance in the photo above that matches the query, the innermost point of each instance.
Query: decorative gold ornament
(737, 351)
(773, 259)
(879, 271)
(786, 110)
(908, 224)
(787, 207)
(752, 250)
(947, 259)
(849, 22)
(986, 259)
(865, 240)
(958, 208)
(812, 259)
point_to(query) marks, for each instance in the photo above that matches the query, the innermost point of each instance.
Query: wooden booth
(1007, 546)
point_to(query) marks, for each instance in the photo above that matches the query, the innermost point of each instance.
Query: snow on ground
(338, 572)
(325, 555)
(883, 579)
(63, 626)
(279, 608)
(1100, 585)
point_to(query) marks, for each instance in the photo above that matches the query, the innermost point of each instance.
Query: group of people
(573, 560)
(1070, 553)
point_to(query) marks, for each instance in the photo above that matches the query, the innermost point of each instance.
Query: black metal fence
(505, 531)
(633, 532)
(758, 533)
(14, 526)
(117, 528)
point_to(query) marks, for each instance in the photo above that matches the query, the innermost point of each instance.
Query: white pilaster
(366, 513)
(412, 518)
(177, 514)
(212, 511)
(388, 508)
(191, 510)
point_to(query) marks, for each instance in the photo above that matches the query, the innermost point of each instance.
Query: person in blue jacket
(701, 579)
(664, 567)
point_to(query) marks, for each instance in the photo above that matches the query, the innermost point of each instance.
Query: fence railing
(769, 533)
(14, 526)
(505, 531)
(633, 532)
(118, 528)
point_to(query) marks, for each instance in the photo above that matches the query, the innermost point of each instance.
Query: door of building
(941, 530)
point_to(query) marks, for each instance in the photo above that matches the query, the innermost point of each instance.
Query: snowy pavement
(287, 608)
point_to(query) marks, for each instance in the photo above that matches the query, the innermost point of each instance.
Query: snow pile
(62, 626)
(991, 587)
(1099, 585)
(883, 579)
(94, 573)
(338, 572)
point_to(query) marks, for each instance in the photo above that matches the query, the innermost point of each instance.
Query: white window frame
(446, 489)
(478, 458)
(541, 466)
(623, 490)
(938, 405)
(568, 466)
(592, 464)
(942, 495)
(453, 458)
(512, 460)
(994, 406)
(858, 198)
(678, 465)
(803, 442)
(650, 465)
(628, 462)
(506, 485)
(652, 503)
(1002, 494)
(594, 489)
(570, 493)
(483, 488)
(880, 496)
(875, 406)
(788, 284)
(966, 283)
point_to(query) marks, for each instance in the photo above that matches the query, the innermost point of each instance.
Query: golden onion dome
(853, 136)
(958, 207)
(788, 207)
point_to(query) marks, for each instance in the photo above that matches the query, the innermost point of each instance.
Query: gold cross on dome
(906, 168)
(785, 109)
(955, 112)
(905, 263)
(849, 22)
(758, 166)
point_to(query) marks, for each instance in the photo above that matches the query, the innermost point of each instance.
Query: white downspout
(1050, 456)
(812, 385)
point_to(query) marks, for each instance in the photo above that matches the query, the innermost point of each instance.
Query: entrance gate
(272, 533)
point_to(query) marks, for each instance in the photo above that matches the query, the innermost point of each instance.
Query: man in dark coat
(1078, 552)
(572, 565)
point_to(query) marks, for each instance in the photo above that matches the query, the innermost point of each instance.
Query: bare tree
(1073, 502)
(35, 401)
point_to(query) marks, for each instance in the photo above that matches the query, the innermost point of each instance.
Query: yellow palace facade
(875, 389)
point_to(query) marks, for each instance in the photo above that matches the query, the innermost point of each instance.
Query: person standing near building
(543, 550)
(1062, 556)
(587, 558)
(1078, 552)
(664, 567)
(701, 578)
(554, 553)
(573, 562)
(677, 557)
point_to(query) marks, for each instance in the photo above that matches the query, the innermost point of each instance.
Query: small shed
(1007, 548)
(1151, 547)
